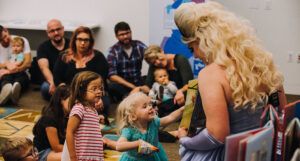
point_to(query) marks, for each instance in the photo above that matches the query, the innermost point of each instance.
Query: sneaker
(15, 92)
(5, 93)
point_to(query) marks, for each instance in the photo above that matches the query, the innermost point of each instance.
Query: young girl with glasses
(84, 138)
(139, 125)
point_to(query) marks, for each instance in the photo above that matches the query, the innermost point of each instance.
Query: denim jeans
(45, 90)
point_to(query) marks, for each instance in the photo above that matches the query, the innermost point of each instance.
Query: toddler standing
(139, 127)
(84, 139)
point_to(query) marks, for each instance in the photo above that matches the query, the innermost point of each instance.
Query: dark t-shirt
(65, 72)
(40, 139)
(48, 51)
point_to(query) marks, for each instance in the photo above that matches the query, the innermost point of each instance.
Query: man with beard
(47, 54)
(12, 89)
(125, 63)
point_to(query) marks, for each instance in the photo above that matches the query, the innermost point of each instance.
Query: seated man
(47, 54)
(9, 88)
(125, 63)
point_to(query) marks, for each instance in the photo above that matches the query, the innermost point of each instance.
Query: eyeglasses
(124, 33)
(86, 40)
(33, 152)
(96, 90)
(55, 30)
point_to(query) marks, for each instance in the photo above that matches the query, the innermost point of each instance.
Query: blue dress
(204, 147)
(151, 136)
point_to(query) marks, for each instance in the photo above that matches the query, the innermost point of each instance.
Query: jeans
(45, 90)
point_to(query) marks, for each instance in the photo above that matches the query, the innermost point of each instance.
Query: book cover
(190, 104)
(296, 156)
(259, 146)
(292, 138)
(232, 143)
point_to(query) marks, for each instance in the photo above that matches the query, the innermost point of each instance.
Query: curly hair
(126, 110)
(230, 42)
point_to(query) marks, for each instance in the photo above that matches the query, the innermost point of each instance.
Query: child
(11, 81)
(84, 139)
(139, 127)
(16, 58)
(163, 92)
(52, 124)
(19, 149)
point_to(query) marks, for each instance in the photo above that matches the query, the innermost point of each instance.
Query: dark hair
(121, 26)
(55, 111)
(79, 86)
(73, 48)
(1, 30)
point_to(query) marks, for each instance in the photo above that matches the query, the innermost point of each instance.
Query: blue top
(151, 136)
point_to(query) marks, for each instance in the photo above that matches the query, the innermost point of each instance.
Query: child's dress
(151, 136)
(88, 138)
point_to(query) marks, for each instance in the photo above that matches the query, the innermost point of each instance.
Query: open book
(193, 116)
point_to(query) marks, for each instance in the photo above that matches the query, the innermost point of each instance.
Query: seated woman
(82, 57)
(236, 82)
(177, 66)
(50, 130)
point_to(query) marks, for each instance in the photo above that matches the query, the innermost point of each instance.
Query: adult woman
(81, 57)
(235, 84)
(178, 68)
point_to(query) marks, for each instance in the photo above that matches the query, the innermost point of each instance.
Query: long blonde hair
(231, 42)
(126, 110)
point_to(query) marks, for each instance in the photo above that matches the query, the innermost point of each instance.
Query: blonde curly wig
(231, 42)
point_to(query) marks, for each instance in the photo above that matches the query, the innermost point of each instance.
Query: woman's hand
(179, 98)
(182, 132)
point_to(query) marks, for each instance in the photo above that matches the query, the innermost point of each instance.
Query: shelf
(22, 24)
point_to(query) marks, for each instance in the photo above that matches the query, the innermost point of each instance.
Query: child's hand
(99, 104)
(182, 132)
(101, 119)
(146, 148)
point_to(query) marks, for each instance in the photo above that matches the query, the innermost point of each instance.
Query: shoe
(15, 92)
(5, 93)
(165, 137)
(161, 93)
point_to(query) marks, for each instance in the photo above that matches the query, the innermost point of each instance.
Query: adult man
(47, 54)
(11, 89)
(125, 63)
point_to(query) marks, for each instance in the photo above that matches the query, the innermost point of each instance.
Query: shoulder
(179, 58)
(212, 72)
(98, 53)
(139, 43)
(116, 46)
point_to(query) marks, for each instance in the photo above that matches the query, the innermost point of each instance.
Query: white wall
(105, 12)
(277, 23)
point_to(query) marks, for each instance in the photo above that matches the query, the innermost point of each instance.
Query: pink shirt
(88, 138)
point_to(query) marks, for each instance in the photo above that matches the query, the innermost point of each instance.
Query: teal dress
(151, 136)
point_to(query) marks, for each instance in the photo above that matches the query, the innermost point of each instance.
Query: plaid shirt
(129, 68)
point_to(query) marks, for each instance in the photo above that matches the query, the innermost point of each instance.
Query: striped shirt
(88, 138)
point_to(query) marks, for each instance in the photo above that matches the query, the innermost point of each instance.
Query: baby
(163, 91)
(16, 58)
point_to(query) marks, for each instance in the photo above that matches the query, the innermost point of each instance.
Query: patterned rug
(19, 123)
